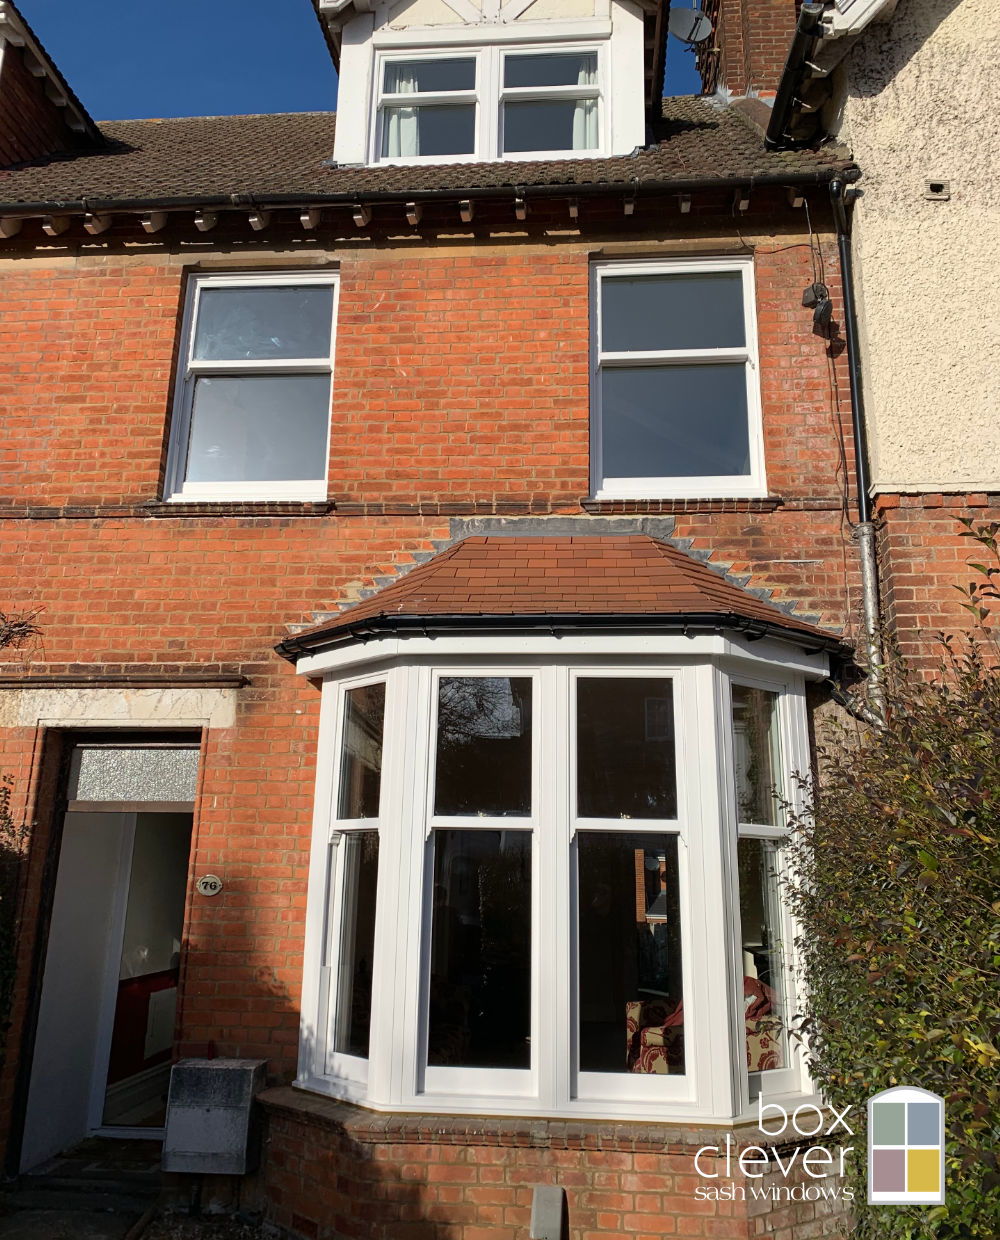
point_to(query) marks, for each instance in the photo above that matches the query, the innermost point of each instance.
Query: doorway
(105, 1032)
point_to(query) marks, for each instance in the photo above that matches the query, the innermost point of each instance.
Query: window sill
(606, 504)
(369, 1127)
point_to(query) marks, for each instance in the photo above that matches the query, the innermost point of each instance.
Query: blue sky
(126, 58)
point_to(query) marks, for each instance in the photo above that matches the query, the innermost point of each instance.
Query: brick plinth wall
(335, 1172)
(923, 556)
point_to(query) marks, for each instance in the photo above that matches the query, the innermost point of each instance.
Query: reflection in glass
(625, 759)
(763, 990)
(260, 324)
(359, 886)
(483, 746)
(675, 421)
(655, 312)
(258, 428)
(429, 129)
(550, 125)
(406, 77)
(629, 933)
(361, 752)
(757, 752)
(559, 69)
(480, 983)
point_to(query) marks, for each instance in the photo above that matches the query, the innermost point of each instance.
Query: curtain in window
(585, 111)
(402, 127)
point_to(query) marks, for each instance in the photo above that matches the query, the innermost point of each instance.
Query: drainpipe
(874, 712)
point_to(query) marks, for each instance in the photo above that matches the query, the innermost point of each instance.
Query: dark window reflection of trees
(483, 746)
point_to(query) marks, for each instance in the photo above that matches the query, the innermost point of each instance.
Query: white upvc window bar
(675, 390)
(485, 103)
(556, 904)
(251, 417)
(764, 720)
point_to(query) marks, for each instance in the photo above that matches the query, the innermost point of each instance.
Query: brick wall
(31, 126)
(333, 1172)
(923, 556)
(461, 386)
(753, 38)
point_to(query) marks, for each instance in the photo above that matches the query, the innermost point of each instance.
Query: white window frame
(176, 488)
(793, 749)
(489, 96)
(749, 485)
(395, 1075)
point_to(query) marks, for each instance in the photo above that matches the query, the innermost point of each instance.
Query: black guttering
(242, 201)
(388, 625)
(807, 32)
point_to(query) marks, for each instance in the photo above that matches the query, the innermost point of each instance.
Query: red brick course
(461, 387)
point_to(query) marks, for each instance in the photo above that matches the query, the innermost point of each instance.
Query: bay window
(545, 884)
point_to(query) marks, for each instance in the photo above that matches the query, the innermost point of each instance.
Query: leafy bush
(11, 844)
(898, 881)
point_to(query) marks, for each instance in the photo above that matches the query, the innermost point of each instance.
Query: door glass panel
(480, 974)
(146, 1000)
(654, 312)
(763, 974)
(361, 754)
(625, 762)
(261, 324)
(675, 421)
(757, 751)
(631, 1010)
(258, 428)
(359, 888)
(133, 773)
(483, 746)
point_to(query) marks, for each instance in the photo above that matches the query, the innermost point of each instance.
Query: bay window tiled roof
(589, 577)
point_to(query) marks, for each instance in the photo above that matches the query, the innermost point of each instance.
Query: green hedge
(897, 889)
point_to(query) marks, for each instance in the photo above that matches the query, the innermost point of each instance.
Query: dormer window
(489, 103)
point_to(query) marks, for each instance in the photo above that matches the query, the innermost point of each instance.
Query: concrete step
(88, 1201)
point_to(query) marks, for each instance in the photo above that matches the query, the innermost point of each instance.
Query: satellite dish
(689, 25)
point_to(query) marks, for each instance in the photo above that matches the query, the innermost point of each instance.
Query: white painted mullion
(674, 357)
(315, 964)
(551, 1037)
(414, 919)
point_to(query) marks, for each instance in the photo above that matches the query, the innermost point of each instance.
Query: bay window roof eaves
(630, 583)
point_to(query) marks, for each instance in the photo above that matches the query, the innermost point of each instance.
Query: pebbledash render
(441, 524)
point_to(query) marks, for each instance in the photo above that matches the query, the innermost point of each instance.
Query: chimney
(749, 46)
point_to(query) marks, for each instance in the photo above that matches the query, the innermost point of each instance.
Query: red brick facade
(461, 389)
(31, 125)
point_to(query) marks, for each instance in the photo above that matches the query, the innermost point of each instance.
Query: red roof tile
(502, 578)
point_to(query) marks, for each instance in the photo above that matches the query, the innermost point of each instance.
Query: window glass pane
(631, 982)
(236, 324)
(258, 428)
(550, 125)
(626, 767)
(361, 757)
(483, 746)
(675, 421)
(359, 879)
(431, 129)
(133, 773)
(405, 77)
(672, 312)
(757, 751)
(763, 990)
(564, 69)
(480, 989)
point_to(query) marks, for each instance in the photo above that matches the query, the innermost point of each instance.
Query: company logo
(905, 1147)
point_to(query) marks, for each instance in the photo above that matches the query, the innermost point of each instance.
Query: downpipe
(871, 712)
